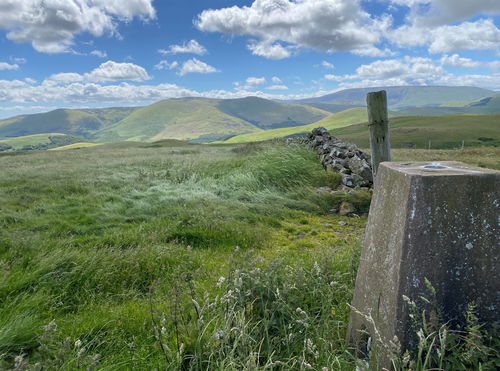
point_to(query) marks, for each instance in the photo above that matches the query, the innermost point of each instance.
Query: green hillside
(189, 118)
(82, 123)
(78, 145)
(205, 120)
(267, 114)
(336, 120)
(407, 96)
(193, 119)
(441, 131)
(37, 141)
(334, 108)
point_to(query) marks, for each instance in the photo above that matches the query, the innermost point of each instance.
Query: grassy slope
(39, 141)
(28, 140)
(442, 131)
(267, 114)
(199, 119)
(176, 119)
(334, 121)
(98, 243)
(76, 122)
(77, 145)
(196, 119)
(334, 108)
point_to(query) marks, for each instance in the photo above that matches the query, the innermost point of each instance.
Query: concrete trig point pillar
(434, 221)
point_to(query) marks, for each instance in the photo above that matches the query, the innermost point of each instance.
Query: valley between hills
(436, 117)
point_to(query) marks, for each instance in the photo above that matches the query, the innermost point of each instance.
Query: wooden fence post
(378, 121)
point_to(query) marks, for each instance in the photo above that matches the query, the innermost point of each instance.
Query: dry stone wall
(353, 164)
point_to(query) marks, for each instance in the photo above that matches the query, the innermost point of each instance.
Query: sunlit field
(162, 256)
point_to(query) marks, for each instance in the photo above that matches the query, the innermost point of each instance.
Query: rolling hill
(80, 122)
(438, 132)
(336, 120)
(267, 114)
(193, 119)
(400, 97)
(206, 120)
(199, 120)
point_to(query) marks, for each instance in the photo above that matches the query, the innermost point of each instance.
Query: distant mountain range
(205, 120)
(193, 119)
(400, 97)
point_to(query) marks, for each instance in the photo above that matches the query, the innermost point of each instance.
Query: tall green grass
(145, 257)
(85, 234)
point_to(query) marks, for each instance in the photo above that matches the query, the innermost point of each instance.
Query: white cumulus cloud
(166, 65)
(63, 77)
(479, 35)
(445, 26)
(416, 71)
(254, 81)
(192, 47)
(196, 66)
(51, 25)
(269, 50)
(8, 66)
(456, 61)
(113, 71)
(325, 25)
(406, 71)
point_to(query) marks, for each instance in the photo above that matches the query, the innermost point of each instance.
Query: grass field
(77, 145)
(28, 140)
(91, 239)
(334, 121)
(37, 141)
(438, 132)
(172, 256)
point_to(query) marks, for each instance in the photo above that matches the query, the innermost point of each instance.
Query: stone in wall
(345, 158)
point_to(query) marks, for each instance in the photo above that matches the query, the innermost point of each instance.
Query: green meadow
(136, 256)
(337, 120)
(438, 132)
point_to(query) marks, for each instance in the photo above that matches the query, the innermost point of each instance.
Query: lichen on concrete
(434, 222)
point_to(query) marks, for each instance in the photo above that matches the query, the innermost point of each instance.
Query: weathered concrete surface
(435, 221)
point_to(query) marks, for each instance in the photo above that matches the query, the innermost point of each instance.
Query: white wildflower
(300, 311)
(228, 296)
(317, 269)
(51, 326)
(219, 335)
(306, 365)
(18, 361)
(220, 281)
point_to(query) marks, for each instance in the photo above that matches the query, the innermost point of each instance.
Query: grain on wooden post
(378, 121)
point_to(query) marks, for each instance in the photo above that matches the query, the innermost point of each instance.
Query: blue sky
(100, 53)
